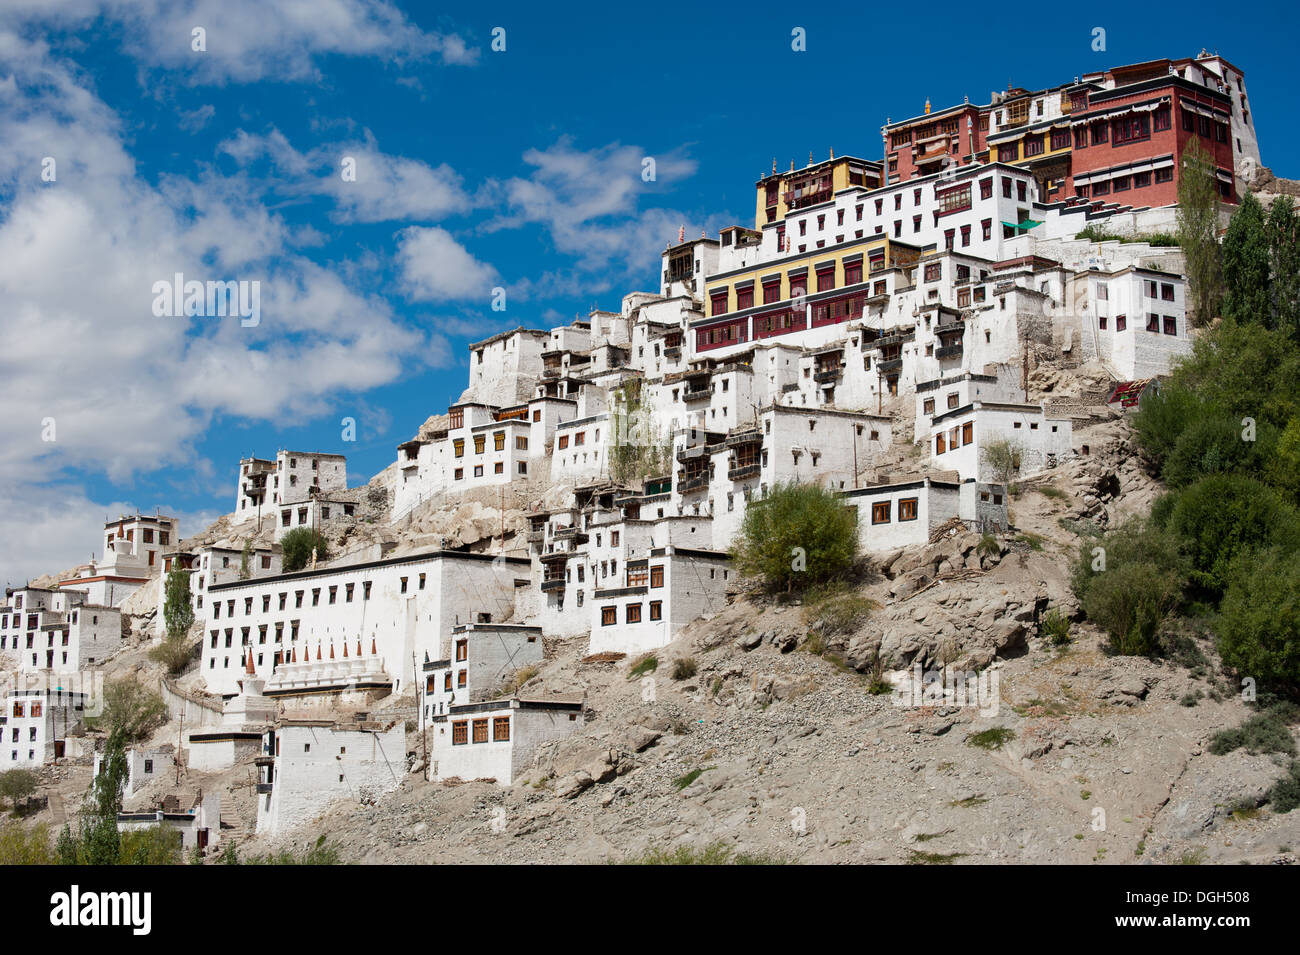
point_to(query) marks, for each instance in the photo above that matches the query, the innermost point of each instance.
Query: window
(404, 582)
(462, 678)
(1121, 323)
(480, 731)
(656, 610)
(744, 298)
(501, 729)
(953, 398)
(1166, 292)
(880, 512)
(986, 188)
(826, 279)
(1171, 325)
(1130, 129)
(459, 733)
(564, 441)
(459, 445)
(480, 443)
(633, 613)
(462, 650)
(498, 441)
(1099, 132)
(940, 446)
(608, 616)
(927, 407)
(968, 432)
(907, 509)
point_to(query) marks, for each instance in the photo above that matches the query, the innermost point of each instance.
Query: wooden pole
(424, 740)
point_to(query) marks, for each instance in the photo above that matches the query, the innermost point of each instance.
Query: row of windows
(497, 468)
(881, 511)
(1169, 325)
(498, 441)
(631, 613)
(955, 438)
(349, 590)
(500, 730)
(1139, 180)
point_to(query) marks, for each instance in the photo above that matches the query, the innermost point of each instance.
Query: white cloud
(590, 201)
(129, 392)
(380, 187)
(250, 40)
(435, 267)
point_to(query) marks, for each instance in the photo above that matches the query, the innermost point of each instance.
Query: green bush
(836, 608)
(156, 845)
(16, 784)
(1265, 732)
(1220, 518)
(717, 853)
(685, 668)
(131, 707)
(175, 653)
(297, 545)
(796, 537)
(1055, 628)
(24, 845)
(1216, 446)
(1259, 618)
(1285, 793)
(1139, 583)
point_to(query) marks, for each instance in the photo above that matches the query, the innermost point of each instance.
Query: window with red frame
(718, 303)
(852, 273)
(771, 291)
(744, 298)
(826, 279)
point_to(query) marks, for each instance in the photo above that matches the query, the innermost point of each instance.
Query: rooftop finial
(927, 106)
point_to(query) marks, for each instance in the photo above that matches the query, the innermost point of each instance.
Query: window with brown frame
(656, 610)
(907, 509)
(498, 440)
(462, 650)
(460, 733)
(480, 443)
(968, 432)
(880, 512)
(446, 681)
(637, 576)
(940, 446)
(462, 678)
(480, 731)
(633, 613)
(927, 406)
(608, 616)
(501, 729)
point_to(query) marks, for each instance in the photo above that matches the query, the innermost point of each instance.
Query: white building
(313, 763)
(199, 824)
(35, 725)
(959, 438)
(292, 477)
(475, 660)
(57, 630)
(497, 739)
(143, 766)
(1134, 321)
(904, 513)
(312, 622)
(245, 719)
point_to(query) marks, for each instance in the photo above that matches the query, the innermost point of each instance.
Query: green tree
(1198, 227)
(1221, 518)
(245, 555)
(1283, 468)
(1128, 582)
(1284, 260)
(16, 784)
(1246, 268)
(178, 608)
(99, 842)
(132, 708)
(1003, 458)
(637, 452)
(297, 546)
(797, 536)
(1214, 445)
(1259, 618)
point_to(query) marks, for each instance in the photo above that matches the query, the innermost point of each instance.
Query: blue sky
(475, 169)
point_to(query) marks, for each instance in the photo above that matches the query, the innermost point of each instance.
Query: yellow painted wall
(862, 247)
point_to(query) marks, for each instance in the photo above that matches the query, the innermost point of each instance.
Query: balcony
(536, 537)
(949, 351)
(552, 585)
(893, 364)
(264, 788)
(744, 437)
(829, 374)
(689, 484)
(690, 454)
(264, 760)
(673, 351)
(696, 394)
(742, 471)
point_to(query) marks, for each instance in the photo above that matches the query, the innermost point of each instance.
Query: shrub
(646, 664)
(1003, 458)
(156, 845)
(1215, 446)
(1055, 628)
(684, 668)
(1140, 581)
(25, 845)
(991, 739)
(1220, 518)
(798, 536)
(1162, 418)
(1284, 795)
(1259, 618)
(297, 545)
(174, 653)
(1264, 732)
(717, 853)
(16, 784)
(133, 708)
(988, 546)
(178, 611)
(837, 609)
